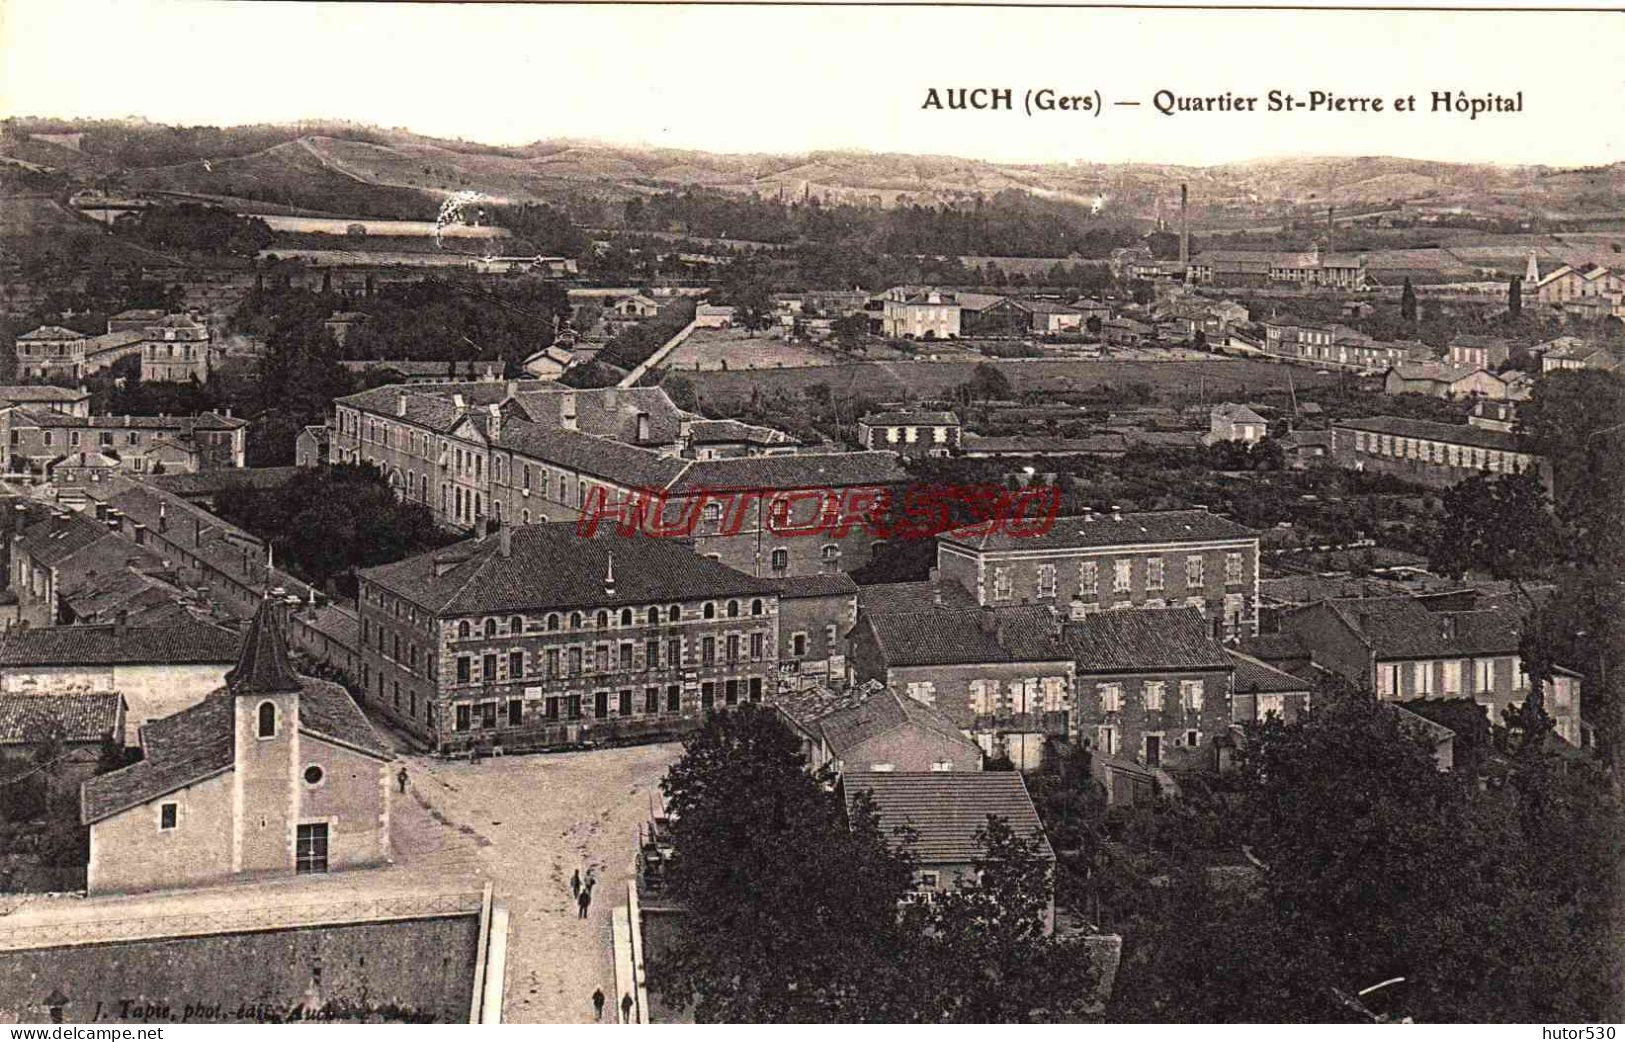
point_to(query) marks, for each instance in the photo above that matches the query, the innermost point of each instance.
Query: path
(631, 379)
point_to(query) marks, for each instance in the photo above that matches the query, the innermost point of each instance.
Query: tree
(1515, 297)
(1495, 523)
(988, 383)
(1407, 301)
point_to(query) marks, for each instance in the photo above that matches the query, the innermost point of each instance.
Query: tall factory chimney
(1184, 228)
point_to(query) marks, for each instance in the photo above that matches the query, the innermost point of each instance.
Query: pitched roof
(836, 584)
(1253, 677)
(55, 539)
(883, 712)
(170, 645)
(806, 706)
(1142, 639)
(551, 566)
(83, 717)
(1404, 628)
(264, 667)
(946, 810)
(25, 393)
(890, 598)
(1449, 433)
(1234, 413)
(181, 424)
(966, 636)
(626, 465)
(219, 479)
(711, 432)
(803, 470)
(1101, 530)
(909, 416)
(52, 333)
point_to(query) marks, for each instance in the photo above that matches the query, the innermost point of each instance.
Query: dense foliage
(189, 226)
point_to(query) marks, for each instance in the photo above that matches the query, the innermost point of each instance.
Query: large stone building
(1433, 454)
(912, 432)
(532, 452)
(59, 446)
(537, 637)
(273, 774)
(912, 313)
(1095, 562)
(177, 348)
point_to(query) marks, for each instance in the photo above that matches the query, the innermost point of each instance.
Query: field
(734, 349)
(1216, 378)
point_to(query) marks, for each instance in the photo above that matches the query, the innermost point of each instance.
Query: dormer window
(267, 720)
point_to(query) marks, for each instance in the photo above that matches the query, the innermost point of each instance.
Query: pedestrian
(400, 779)
(626, 1008)
(583, 901)
(598, 1004)
(575, 884)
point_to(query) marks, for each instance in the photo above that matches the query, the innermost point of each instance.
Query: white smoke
(455, 209)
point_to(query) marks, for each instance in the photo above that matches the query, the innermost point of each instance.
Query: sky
(768, 79)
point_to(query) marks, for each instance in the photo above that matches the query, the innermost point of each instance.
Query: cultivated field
(735, 349)
(1216, 378)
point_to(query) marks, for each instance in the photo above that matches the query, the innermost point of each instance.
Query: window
(1122, 576)
(831, 552)
(313, 774)
(756, 606)
(1193, 570)
(674, 613)
(575, 620)
(780, 559)
(708, 651)
(1153, 573)
(1046, 580)
(516, 712)
(651, 653)
(516, 625)
(573, 707)
(1190, 694)
(798, 645)
(600, 704)
(1155, 690)
(1232, 568)
(464, 718)
(1387, 678)
(757, 644)
(488, 714)
(516, 664)
(267, 720)
(626, 703)
(1520, 675)
(490, 627)
(1111, 697)
(575, 661)
(755, 689)
(626, 655)
(464, 631)
(708, 695)
(310, 848)
(1193, 739)
(733, 609)
(1088, 578)
(1003, 586)
(1452, 677)
(601, 620)
(1152, 752)
(674, 698)
(168, 816)
(674, 651)
(488, 667)
(710, 610)
(730, 689)
(651, 700)
(1106, 740)
(733, 647)
(626, 616)
(1483, 674)
(1422, 677)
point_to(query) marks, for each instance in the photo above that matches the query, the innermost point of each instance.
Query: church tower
(264, 690)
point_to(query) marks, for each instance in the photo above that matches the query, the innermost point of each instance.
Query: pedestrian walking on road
(597, 1003)
(626, 1008)
(400, 779)
(583, 901)
(575, 884)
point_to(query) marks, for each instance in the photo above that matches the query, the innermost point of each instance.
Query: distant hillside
(344, 168)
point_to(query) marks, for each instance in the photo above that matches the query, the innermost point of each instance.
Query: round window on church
(313, 775)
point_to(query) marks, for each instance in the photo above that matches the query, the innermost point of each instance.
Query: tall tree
(1515, 297)
(1407, 301)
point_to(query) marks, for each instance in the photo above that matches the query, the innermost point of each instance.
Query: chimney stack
(505, 541)
(1184, 228)
(400, 403)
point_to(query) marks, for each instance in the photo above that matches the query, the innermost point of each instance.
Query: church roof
(263, 667)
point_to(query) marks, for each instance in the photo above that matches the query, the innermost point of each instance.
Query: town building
(938, 816)
(1304, 449)
(311, 448)
(881, 730)
(52, 560)
(1404, 648)
(273, 774)
(713, 316)
(910, 313)
(986, 315)
(538, 637)
(39, 441)
(911, 432)
(1581, 355)
(816, 612)
(50, 352)
(1568, 285)
(48, 397)
(1095, 562)
(83, 722)
(1049, 317)
(340, 324)
(526, 452)
(1233, 422)
(1003, 675)
(432, 371)
(1337, 346)
(1444, 380)
(1152, 686)
(1428, 453)
(1494, 416)
(731, 439)
(177, 348)
(158, 670)
(1343, 271)
(1479, 352)
(1260, 690)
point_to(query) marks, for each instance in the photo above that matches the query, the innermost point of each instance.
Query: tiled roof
(625, 465)
(113, 341)
(804, 470)
(890, 598)
(1255, 677)
(1102, 530)
(553, 567)
(83, 717)
(967, 636)
(882, 712)
(429, 406)
(208, 482)
(264, 667)
(1110, 443)
(837, 584)
(1436, 372)
(1143, 639)
(55, 539)
(711, 432)
(1049, 307)
(52, 333)
(1403, 628)
(906, 417)
(609, 412)
(1449, 433)
(118, 645)
(1236, 414)
(181, 424)
(806, 706)
(946, 810)
(23, 393)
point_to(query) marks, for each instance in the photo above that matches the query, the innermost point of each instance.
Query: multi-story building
(48, 397)
(50, 351)
(273, 774)
(177, 348)
(1153, 686)
(877, 729)
(34, 440)
(1233, 422)
(911, 432)
(1494, 416)
(1405, 648)
(1569, 284)
(525, 453)
(537, 637)
(1434, 454)
(1160, 559)
(1004, 675)
(912, 313)
(986, 315)
(1260, 267)
(1480, 352)
(1444, 380)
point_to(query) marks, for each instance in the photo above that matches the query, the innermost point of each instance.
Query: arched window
(490, 627)
(733, 609)
(626, 616)
(654, 616)
(463, 630)
(516, 625)
(710, 609)
(603, 619)
(575, 620)
(756, 606)
(674, 613)
(267, 722)
(553, 621)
